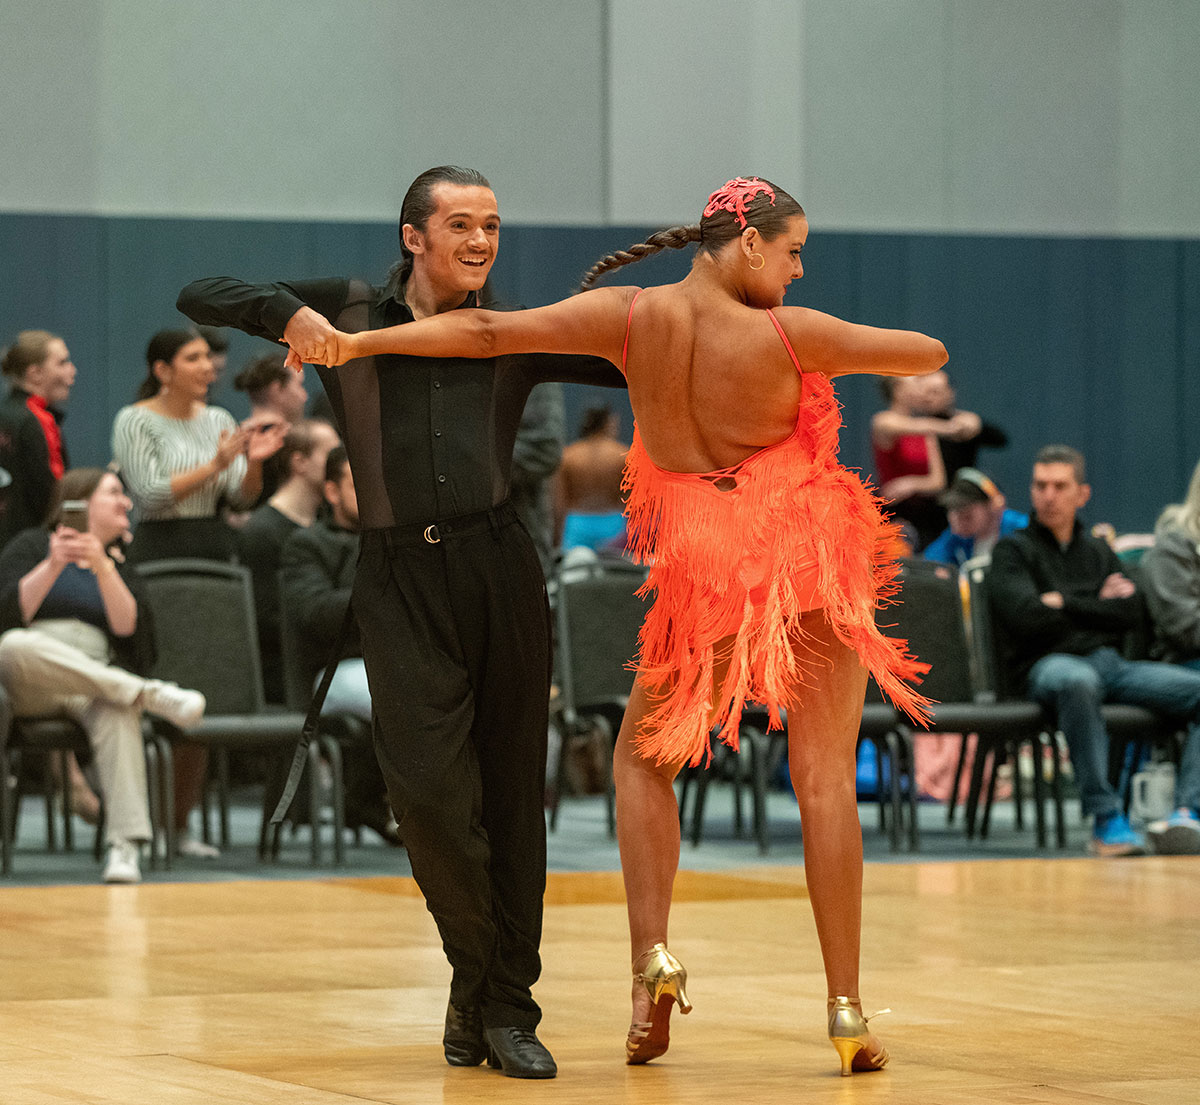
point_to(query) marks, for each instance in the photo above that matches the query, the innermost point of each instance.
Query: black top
(964, 454)
(316, 577)
(25, 455)
(1028, 564)
(77, 597)
(428, 438)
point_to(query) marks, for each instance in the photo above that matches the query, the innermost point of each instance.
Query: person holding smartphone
(75, 638)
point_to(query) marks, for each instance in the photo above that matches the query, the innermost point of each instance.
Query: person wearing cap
(448, 595)
(978, 516)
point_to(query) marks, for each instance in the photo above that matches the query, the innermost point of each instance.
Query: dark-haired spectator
(588, 485)
(978, 515)
(301, 465)
(77, 640)
(179, 457)
(1063, 607)
(273, 389)
(40, 375)
(317, 577)
(537, 454)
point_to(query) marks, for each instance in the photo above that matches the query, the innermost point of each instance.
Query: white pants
(60, 666)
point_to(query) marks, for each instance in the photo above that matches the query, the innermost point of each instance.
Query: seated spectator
(1171, 570)
(275, 392)
(180, 457)
(277, 395)
(316, 581)
(32, 451)
(908, 463)
(963, 433)
(589, 505)
(294, 506)
(1062, 607)
(75, 637)
(978, 516)
(537, 454)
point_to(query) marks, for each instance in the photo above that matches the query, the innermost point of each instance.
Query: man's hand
(312, 340)
(1117, 586)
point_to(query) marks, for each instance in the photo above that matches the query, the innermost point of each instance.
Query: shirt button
(437, 433)
(441, 479)
(437, 383)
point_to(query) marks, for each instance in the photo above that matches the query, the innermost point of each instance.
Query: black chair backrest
(206, 632)
(990, 677)
(299, 668)
(929, 615)
(598, 616)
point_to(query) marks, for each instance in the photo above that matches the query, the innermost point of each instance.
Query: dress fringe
(744, 552)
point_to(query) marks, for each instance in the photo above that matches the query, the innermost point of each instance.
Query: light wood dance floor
(1024, 981)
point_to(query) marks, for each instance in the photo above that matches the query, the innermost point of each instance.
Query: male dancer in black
(448, 595)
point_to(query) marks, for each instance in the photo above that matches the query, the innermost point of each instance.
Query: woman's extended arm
(590, 323)
(833, 347)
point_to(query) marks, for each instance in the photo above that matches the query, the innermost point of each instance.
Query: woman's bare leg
(648, 836)
(823, 723)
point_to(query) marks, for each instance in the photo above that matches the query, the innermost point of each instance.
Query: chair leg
(759, 748)
(906, 740)
(48, 790)
(166, 762)
(333, 753)
(1060, 821)
(958, 773)
(983, 750)
(314, 801)
(8, 812)
(1039, 789)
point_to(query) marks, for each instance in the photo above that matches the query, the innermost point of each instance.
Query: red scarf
(52, 431)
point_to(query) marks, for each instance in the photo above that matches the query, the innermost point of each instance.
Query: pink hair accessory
(736, 195)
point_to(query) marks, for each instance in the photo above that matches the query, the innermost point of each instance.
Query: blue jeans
(1073, 688)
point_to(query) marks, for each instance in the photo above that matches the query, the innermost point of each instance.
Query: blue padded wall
(1092, 342)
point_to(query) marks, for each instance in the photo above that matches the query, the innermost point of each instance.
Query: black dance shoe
(463, 1038)
(518, 1053)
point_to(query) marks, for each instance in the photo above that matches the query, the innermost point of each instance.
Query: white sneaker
(188, 845)
(173, 703)
(122, 865)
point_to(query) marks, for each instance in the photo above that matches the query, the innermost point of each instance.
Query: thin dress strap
(787, 344)
(629, 323)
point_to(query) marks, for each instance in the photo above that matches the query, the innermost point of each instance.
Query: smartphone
(74, 514)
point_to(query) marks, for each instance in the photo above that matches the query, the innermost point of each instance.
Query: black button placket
(437, 415)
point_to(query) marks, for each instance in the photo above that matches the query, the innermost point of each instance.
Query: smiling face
(767, 284)
(108, 510)
(189, 373)
(455, 251)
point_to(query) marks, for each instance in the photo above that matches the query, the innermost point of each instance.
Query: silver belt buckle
(431, 534)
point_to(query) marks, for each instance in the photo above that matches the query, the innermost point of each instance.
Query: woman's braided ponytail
(677, 237)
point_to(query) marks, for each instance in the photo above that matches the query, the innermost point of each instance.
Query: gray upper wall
(1075, 117)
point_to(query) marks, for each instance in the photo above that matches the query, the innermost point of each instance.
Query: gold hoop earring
(759, 258)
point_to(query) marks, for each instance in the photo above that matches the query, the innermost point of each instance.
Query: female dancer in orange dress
(767, 558)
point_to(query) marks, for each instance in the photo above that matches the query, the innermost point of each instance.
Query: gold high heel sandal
(664, 978)
(849, 1034)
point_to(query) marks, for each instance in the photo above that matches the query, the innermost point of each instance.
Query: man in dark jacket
(1063, 607)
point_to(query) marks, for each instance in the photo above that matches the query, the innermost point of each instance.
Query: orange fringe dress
(743, 552)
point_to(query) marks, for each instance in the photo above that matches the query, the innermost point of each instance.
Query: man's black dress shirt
(1030, 563)
(428, 438)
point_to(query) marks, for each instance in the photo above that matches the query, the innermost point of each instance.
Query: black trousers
(456, 644)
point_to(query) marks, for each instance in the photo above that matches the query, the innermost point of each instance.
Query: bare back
(710, 380)
(590, 475)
